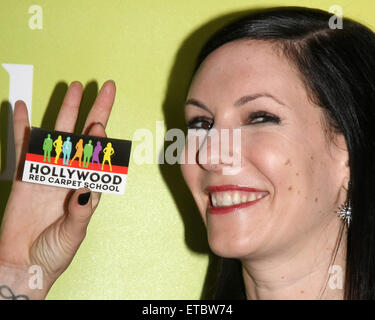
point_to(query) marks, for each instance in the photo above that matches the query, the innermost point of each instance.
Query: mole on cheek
(290, 188)
(297, 173)
(312, 157)
(316, 199)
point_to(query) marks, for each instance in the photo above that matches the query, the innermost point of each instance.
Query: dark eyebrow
(198, 104)
(245, 99)
(241, 101)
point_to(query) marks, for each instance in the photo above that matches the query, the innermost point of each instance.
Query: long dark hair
(338, 69)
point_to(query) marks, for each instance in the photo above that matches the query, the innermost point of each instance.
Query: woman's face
(286, 157)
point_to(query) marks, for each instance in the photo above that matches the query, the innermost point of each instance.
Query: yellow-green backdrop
(149, 243)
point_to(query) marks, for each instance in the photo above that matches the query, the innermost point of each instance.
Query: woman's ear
(345, 168)
(341, 156)
(346, 183)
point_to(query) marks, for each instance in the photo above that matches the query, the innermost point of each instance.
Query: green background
(151, 242)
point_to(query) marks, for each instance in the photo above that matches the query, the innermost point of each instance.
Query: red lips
(230, 187)
(232, 208)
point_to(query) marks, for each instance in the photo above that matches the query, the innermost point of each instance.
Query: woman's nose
(220, 151)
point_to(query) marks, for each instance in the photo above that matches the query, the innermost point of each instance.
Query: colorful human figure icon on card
(79, 152)
(58, 143)
(87, 153)
(47, 148)
(67, 150)
(108, 152)
(95, 155)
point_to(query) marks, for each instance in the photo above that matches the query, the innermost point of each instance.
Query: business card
(68, 160)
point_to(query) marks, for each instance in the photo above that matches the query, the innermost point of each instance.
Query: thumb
(78, 217)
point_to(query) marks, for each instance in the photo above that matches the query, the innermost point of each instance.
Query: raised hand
(45, 225)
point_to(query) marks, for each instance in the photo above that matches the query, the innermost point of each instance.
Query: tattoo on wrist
(7, 294)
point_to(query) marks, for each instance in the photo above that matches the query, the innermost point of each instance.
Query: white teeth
(214, 202)
(219, 200)
(227, 200)
(230, 198)
(236, 198)
(252, 197)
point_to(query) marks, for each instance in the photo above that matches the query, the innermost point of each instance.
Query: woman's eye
(262, 117)
(200, 123)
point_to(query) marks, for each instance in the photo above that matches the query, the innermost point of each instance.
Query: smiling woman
(302, 95)
(290, 178)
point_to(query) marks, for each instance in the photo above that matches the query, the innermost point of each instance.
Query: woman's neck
(303, 271)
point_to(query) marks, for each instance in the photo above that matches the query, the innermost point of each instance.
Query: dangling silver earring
(345, 212)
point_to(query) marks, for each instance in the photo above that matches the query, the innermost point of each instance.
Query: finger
(97, 130)
(21, 129)
(102, 106)
(78, 217)
(68, 113)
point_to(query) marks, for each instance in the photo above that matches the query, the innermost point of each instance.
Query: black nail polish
(83, 198)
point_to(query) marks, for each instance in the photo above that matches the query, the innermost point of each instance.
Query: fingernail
(83, 198)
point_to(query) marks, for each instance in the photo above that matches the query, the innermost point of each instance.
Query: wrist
(23, 282)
